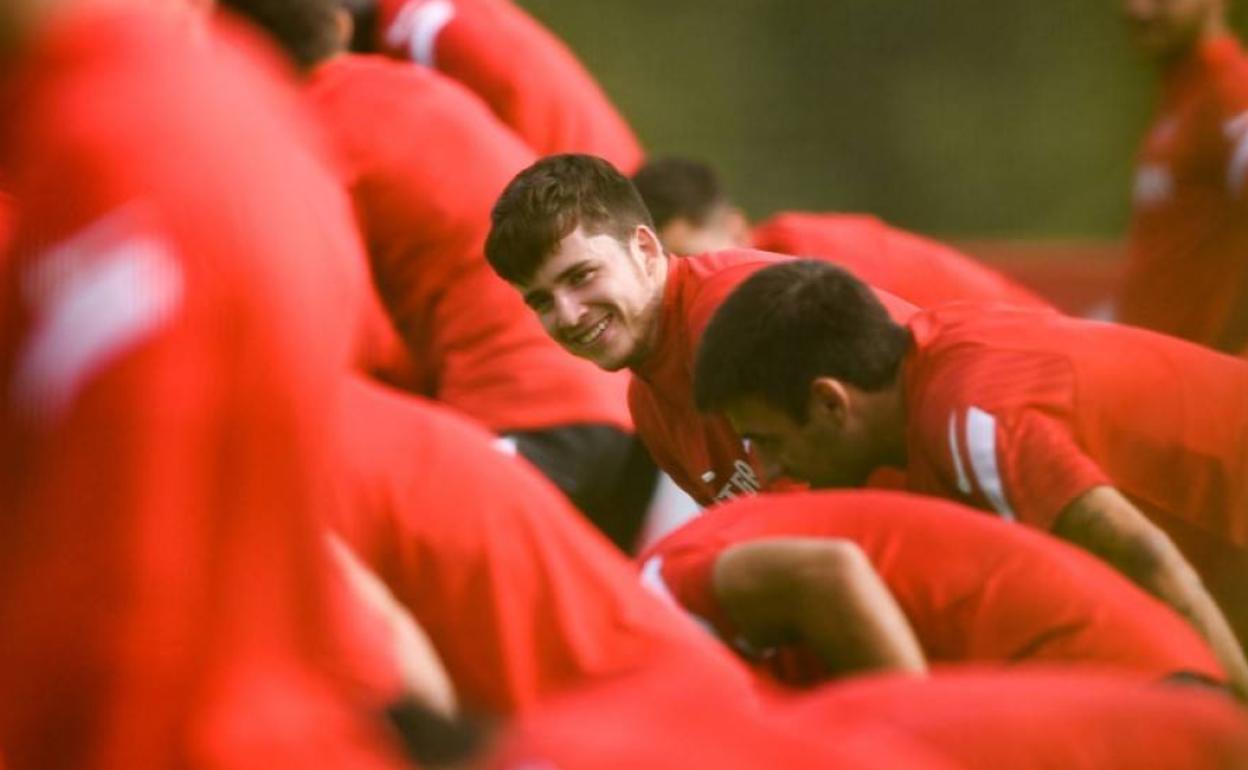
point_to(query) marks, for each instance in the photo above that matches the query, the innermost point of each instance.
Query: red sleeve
(1022, 465)
(685, 576)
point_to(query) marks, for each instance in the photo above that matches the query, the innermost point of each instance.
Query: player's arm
(823, 593)
(1105, 523)
(424, 679)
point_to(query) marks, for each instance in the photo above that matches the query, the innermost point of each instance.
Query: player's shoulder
(704, 281)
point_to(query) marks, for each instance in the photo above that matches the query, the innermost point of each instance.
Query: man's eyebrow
(570, 269)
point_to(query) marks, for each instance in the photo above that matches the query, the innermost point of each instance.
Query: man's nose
(567, 311)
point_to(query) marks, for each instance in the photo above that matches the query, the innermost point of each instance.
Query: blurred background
(973, 120)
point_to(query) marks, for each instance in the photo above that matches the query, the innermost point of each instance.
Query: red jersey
(552, 102)
(165, 360)
(1023, 598)
(1189, 230)
(1039, 719)
(7, 213)
(518, 593)
(675, 718)
(702, 454)
(1021, 413)
(425, 216)
(920, 271)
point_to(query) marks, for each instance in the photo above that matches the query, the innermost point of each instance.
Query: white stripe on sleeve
(964, 484)
(417, 27)
(981, 443)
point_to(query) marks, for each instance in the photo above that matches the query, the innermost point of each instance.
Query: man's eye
(580, 277)
(540, 305)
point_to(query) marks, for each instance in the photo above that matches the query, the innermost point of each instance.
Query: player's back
(424, 179)
(552, 102)
(1042, 719)
(920, 271)
(1162, 418)
(166, 360)
(673, 717)
(1022, 597)
(521, 596)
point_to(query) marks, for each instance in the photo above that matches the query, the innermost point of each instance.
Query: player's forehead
(576, 249)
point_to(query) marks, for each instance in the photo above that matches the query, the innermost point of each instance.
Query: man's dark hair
(788, 324)
(306, 30)
(550, 199)
(679, 188)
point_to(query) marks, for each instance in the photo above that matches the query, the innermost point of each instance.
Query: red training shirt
(1023, 597)
(8, 212)
(701, 453)
(1186, 266)
(552, 102)
(674, 718)
(1038, 719)
(1022, 412)
(920, 271)
(518, 593)
(424, 180)
(165, 366)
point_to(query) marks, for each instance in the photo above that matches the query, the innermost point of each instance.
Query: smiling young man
(1186, 272)
(575, 239)
(1119, 440)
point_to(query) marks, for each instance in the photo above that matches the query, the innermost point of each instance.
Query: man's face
(822, 451)
(725, 228)
(1167, 29)
(600, 298)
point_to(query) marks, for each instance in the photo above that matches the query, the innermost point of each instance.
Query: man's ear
(738, 227)
(345, 24)
(650, 246)
(829, 400)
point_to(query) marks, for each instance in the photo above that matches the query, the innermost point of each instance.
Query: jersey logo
(979, 438)
(417, 27)
(743, 481)
(93, 297)
(1153, 186)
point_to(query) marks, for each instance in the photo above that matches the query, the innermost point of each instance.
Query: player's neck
(654, 314)
(889, 418)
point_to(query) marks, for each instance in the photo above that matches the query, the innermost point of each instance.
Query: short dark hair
(788, 324)
(550, 199)
(679, 188)
(306, 30)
